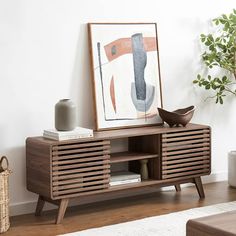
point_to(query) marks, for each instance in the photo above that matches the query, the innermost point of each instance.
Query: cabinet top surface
(124, 133)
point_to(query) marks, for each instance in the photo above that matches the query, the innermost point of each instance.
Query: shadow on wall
(180, 67)
(81, 86)
(186, 93)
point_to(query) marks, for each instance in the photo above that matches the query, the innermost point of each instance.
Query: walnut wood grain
(222, 224)
(130, 156)
(80, 145)
(131, 132)
(198, 183)
(76, 176)
(61, 211)
(38, 167)
(40, 205)
(170, 143)
(80, 160)
(76, 156)
(177, 188)
(183, 156)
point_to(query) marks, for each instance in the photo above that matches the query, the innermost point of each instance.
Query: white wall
(44, 57)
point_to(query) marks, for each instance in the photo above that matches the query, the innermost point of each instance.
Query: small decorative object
(232, 169)
(177, 117)
(4, 195)
(220, 49)
(144, 169)
(126, 74)
(65, 115)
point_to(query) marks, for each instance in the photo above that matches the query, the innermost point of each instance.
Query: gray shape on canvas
(140, 62)
(143, 105)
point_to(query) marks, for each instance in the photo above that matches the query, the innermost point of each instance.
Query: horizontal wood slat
(81, 160)
(188, 146)
(75, 176)
(78, 180)
(183, 133)
(198, 154)
(182, 138)
(80, 150)
(90, 154)
(188, 174)
(86, 164)
(81, 170)
(185, 151)
(198, 164)
(204, 166)
(191, 141)
(80, 145)
(176, 161)
(80, 185)
(78, 190)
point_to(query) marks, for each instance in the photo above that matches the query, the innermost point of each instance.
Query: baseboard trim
(29, 207)
(215, 177)
(23, 208)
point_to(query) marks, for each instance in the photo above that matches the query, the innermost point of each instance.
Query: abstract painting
(126, 74)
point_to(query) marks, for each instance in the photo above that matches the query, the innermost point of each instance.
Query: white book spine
(129, 181)
(76, 131)
(66, 135)
(76, 136)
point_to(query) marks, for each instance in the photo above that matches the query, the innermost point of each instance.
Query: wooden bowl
(178, 117)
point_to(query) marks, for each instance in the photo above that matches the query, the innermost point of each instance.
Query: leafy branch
(220, 52)
(219, 85)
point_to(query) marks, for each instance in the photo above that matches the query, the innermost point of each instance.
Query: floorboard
(120, 210)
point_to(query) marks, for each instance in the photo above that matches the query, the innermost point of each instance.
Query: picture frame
(125, 71)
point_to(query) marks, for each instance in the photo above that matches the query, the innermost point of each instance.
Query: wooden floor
(120, 210)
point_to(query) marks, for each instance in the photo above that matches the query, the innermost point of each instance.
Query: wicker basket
(4, 196)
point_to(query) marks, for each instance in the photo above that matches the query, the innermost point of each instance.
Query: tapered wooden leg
(39, 207)
(177, 188)
(198, 183)
(61, 211)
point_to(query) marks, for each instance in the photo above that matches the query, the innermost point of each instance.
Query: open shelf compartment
(145, 147)
(146, 144)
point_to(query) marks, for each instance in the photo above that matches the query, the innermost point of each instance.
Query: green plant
(220, 52)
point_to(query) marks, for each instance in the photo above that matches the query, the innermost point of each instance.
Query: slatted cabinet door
(80, 167)
(186, 153)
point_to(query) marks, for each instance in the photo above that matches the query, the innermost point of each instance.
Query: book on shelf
(124, 177)
(78, 132)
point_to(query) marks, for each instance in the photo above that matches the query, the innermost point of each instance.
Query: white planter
(232, 169)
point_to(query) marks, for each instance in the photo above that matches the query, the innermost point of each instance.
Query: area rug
(173, 224)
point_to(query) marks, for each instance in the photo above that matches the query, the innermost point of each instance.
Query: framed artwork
(126, 74)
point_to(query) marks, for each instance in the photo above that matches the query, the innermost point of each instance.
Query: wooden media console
(61, 170)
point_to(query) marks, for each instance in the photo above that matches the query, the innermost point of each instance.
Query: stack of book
(77, 133)
(124, 177)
